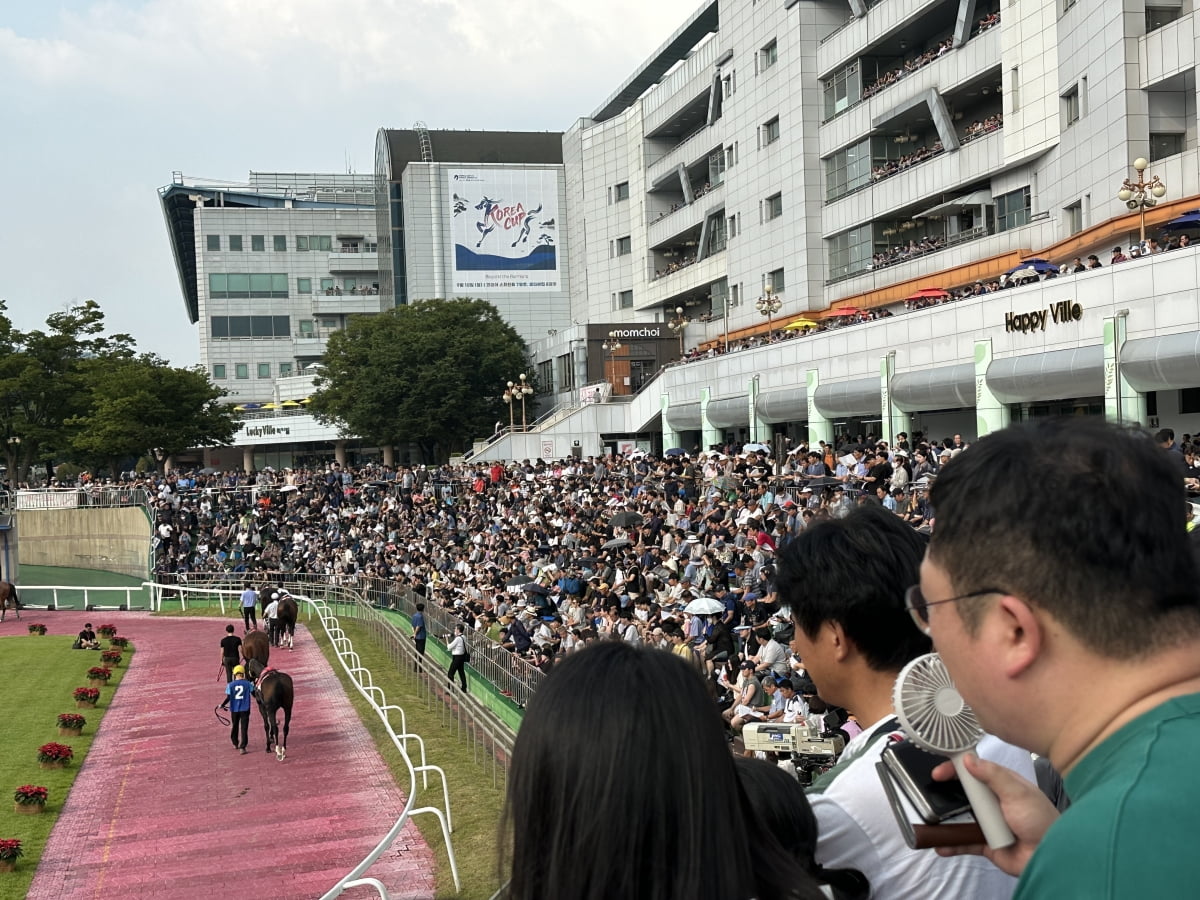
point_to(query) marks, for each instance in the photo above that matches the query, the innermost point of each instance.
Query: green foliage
(432, 372)
(66, 473)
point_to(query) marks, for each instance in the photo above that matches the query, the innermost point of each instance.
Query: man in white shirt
(844, 580)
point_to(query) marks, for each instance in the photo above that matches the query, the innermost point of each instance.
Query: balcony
(353, 262)
(693, 150)
(686, 280)
(692, 78)
(331, 304)
(310, 343)
(690, 215)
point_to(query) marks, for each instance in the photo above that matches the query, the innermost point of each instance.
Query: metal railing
(62, 596)
(80, 498)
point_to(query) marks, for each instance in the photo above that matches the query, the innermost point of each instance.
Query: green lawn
(39, 674)
(474, 801)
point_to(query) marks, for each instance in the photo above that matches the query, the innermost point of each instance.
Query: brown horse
(8, 600)
(274, 692)
(287, 620)
(256, 646)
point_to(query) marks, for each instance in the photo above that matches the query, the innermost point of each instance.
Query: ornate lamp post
(14, 458)
(509, 396)
(768, 304)
(611, 346)
(677, 325)
(1142, 193)
(523, 390)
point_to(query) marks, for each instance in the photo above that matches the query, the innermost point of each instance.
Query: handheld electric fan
(936, 718)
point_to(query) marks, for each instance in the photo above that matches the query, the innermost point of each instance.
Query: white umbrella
(288, 487)
(749, 448)
(704, 606)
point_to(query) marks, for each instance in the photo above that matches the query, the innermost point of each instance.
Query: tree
(432, 372)
(140, 405)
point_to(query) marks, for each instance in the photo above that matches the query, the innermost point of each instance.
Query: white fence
(64, 596)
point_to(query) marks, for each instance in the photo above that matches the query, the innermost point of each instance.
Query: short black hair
(1097, 538)
(854, 571)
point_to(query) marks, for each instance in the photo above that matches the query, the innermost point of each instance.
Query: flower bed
(70, 724)
(29, 799)
(10, 851)
(86, 697)
(111, 657)
(37, 628)
(118, 642)
(54, 755)
(99, 675)
(106, 631)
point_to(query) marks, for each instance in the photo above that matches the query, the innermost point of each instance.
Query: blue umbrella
(1188, 221)
(1040, 266)
(675, 451)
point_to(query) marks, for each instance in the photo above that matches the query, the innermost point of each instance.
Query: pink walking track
(166, 807)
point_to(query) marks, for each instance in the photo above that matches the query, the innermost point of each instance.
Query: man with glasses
(844, 581)
(1075, 593)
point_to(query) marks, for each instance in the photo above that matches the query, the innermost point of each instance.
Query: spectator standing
(458, 657)
(418, 626)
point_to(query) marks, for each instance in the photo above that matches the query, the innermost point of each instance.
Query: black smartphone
(911, 769)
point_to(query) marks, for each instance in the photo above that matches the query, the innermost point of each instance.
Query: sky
(102, 101)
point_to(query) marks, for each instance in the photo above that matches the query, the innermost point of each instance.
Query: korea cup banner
(504, 224)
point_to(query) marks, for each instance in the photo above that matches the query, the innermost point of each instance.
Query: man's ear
(835, 634)
(1018, 634)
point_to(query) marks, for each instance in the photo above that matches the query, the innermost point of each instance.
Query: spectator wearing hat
(237, 701)
(747, 693)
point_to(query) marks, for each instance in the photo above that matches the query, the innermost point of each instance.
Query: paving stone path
(166, 807)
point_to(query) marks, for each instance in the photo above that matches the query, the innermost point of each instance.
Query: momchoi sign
(1060, 313)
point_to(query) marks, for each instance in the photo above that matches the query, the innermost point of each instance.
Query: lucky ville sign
(1060, 313)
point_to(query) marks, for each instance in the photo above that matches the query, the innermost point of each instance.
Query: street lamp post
(509, 396)
(768, 304)
(611, 346)
(677, 325)
(1142, 193)
(523, 390)
(14, 453)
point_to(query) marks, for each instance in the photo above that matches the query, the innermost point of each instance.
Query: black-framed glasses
(918, 606)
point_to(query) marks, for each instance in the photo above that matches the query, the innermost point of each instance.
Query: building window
(842, 90)
(773, 206)
(770, 131)
(326, 285)
(729, 84)
(250, 327)
(241, 370)
(735, 295)
(566, 372)
(731, 155)
(1070, 106)
(624, 246)
(214, 242)
(768, 56)
(625, 300)
(545, 377)
(235, 243)
(306, 328)
(258, 243)
(1013, 209)
(303, 285)
(316, 242)
(621, 192)
(1158, 16)
(280, 243)
(242, 286)
(850, 252)
(848, 170)
(776, 281)
(1163, 145)
(264, 370)
(1014, 87)
(731, 226)
(285, 369)
(218, 370)
(1073, 217)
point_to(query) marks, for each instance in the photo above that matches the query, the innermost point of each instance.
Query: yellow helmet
(239, 670)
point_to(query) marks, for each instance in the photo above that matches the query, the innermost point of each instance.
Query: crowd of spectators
(980, 127)
(895, 166)
(903, 252)
(675, 265)
(908, 67)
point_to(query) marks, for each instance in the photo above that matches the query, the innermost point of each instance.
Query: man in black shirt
(231, 651)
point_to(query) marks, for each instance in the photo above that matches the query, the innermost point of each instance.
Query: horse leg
(281, 746)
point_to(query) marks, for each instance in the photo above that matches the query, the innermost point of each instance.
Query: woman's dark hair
(622, 785)
(780, 804)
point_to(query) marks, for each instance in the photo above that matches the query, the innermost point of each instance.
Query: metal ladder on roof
(424, 141)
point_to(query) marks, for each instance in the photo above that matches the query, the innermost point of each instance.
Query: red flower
(31, 794)
(53, 752)
(10, 848)
(102, 672)
(87, 694)
(73, 720)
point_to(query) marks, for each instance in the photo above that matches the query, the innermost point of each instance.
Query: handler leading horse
(8, 600)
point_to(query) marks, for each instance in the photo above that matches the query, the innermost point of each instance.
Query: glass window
(324, 242)
(214, 242)
(306, 328)
(850, 252)
(218, 370)
(219, 326)
(625, 300)
(282, 326)
(621, 192)
(1164, 145)
(1070, 106)
(848, 170)
(303, 285)
(239, 285)
(624, 246)
(218, 285)
(280, 242)
(235, 243)
(260, 284)
(302, 242)
(264, 370)
(768, 55)
(326, 284)
(239, 327)
(842, 90)
(242, 370)
(285, 369)
(1013, 209)
(774, 206)
(776, 280)
(1073, 218)
(349, 284)
(258, 242)
(770, 131)
(243, 285)
(1158, 16)
(279, 284)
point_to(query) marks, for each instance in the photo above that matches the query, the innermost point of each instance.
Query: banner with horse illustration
(504, 224)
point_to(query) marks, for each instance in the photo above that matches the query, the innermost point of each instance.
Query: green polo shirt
(1134, 820)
